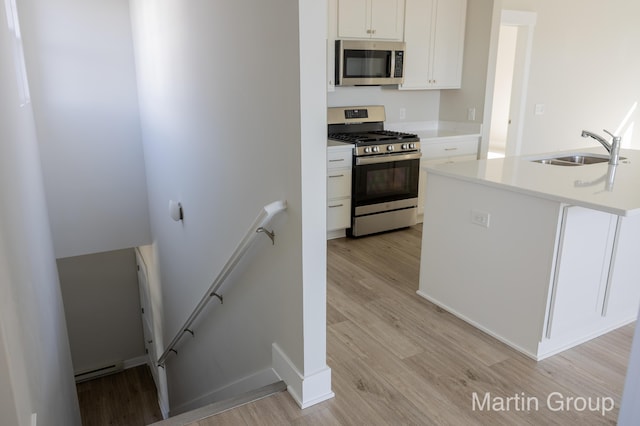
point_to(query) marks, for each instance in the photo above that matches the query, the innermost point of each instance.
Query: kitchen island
(542, 257)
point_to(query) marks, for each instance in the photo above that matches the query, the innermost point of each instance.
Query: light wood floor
(398, 359)
(128, 398)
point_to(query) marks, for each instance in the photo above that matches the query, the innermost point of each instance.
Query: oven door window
(384, 182)
(367, 64)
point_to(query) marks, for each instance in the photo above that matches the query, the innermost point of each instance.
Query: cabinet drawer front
(338, 214)
(450, 149)
(339, 158)
(338, 183)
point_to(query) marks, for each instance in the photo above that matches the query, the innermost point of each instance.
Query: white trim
(507, 342)
(254, 381)
(514, 18)
(547, 348)
(542, 353)
(135, 362)
(164, 408)
(305, 390)
(339, 233)
(528, 20)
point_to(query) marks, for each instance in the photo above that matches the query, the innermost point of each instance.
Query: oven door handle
(361, 161)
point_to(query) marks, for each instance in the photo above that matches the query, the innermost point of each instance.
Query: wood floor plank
(128, 398)
(398, 359)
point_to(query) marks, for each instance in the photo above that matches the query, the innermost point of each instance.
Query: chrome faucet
(613, 148)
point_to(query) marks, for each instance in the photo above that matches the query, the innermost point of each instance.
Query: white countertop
(337, 144)
(614, 189)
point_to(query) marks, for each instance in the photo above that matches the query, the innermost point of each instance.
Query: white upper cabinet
(434, 34)
(371, 19)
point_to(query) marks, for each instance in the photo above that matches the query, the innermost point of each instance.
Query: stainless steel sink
(574, 159)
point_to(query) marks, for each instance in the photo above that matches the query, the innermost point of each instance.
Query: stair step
(224, 405)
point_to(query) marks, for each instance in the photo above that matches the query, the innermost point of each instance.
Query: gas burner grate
(373, 136)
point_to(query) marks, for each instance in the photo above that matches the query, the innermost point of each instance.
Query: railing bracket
(270, 234)
(187, 330)
(174, 351)
(161, 365)
(218, 296)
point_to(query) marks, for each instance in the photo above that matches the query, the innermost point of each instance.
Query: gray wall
(102, 308)
(454, 103)
(419, 105)
(586, 77)
(224, 126)
(82, 76)
(35, 362)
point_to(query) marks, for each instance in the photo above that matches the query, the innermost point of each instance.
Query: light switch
(471, 114)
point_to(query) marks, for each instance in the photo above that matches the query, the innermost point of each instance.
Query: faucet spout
(612, 148)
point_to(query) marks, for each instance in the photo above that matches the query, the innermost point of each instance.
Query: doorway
(507, 84)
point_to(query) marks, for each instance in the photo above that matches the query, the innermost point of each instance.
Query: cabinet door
(434, 34)
(354, 18)
(582, 268)
(448, 44)
(338, 183)
(338, 214)
(418, 28)
(440, 153)
(623, 292)
(387, 19)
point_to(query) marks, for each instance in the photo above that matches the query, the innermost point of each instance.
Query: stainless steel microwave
(369, 63)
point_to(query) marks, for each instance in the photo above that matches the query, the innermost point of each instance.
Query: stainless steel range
(386, 167)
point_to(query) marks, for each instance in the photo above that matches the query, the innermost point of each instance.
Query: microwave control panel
(397, 72)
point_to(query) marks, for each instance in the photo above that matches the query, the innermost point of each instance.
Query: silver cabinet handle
(337, 205)
(335, 161)
(336, 176)
(450, 149)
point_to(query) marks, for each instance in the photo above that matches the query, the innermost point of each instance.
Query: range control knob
(405, 146)
(375, 149)
(389, 148)
(412, 146)
(367, 150)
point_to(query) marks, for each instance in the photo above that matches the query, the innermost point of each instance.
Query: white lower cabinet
(542, 276)
(339, 159)
(594, 287)
(622, 298)
(442, 152)
(582, 270)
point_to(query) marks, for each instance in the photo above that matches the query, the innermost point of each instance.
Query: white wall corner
(305, 390)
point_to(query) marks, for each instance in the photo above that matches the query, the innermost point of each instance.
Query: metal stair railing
(259, 226)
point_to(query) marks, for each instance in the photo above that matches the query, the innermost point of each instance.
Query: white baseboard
(134, 362)
(340, 233)
(305, 390)
(254, 381)
(479, 326)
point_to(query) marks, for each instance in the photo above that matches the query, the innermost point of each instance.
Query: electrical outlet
(539, 109)
(480, 218)
(471, 114)
(403, 113)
